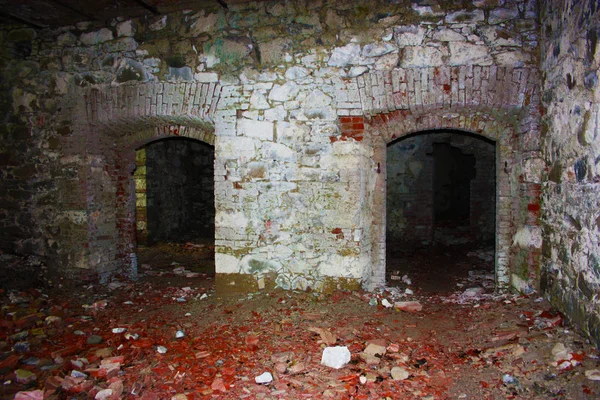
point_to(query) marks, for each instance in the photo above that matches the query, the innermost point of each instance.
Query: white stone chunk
(409, 35)
(206, 77)
(356, 71)
(416, 56)
(345, 56)
(258, 101)
(378, 49)
(336, 357)
(319, 106)
(276, 114)
(256, 129)
(264, 378)
(285, 92)
(295, 73)
(466, 53)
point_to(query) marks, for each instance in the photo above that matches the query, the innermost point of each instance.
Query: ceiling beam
(22, 20)
(147, 6)
(73, 9)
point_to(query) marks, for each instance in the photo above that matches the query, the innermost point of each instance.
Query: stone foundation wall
(571, 147)
(299, 100)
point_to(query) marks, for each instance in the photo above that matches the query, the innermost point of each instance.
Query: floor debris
(136, 341)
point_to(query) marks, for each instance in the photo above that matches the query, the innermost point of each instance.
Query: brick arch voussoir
(397, 124)
(136, 132)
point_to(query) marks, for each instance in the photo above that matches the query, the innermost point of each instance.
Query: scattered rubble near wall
(571, 192)
(299, 100)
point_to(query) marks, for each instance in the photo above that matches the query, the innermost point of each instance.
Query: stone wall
(299, 100)
(571, 147)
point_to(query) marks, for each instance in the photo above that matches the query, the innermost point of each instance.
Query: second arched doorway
(441, 210)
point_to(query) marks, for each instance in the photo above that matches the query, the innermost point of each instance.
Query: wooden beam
(73, 9)
(149, 7)
(22, 20)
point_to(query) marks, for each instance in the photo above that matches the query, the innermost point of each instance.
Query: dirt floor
(438, 331)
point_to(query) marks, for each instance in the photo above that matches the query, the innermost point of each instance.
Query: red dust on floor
(171, 337)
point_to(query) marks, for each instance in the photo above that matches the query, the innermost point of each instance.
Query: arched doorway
(440, 223)
(174, 204)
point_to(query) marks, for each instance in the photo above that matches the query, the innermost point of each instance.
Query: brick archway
(386, 128)
(110, 125)
(498, 103)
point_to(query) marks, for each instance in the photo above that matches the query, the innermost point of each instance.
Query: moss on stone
(331, 284)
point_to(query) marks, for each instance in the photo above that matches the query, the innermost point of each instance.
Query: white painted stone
(126, 28)
(258, 101)
(409, 35)
(226, 264)
(231, 219)
(278, 113)
(296, 73)
(356, 71)
(256, 129)
(345, 56)
(416, 56)
(387, 62)
(96, 37)
(267, 76)
(465, 17)
(448, 35)
(206, 77)
(469, 54)
(528, 236)
(319, 106)
(278, 151)
(378, 49)
(236, 146)
(285, 92)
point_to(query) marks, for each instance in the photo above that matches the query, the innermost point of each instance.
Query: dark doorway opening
(441, 207)
(175, 210)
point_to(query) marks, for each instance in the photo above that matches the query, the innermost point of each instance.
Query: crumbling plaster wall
(571, 148)
(296, 98)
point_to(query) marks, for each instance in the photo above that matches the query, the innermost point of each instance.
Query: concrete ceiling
(55, 13)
